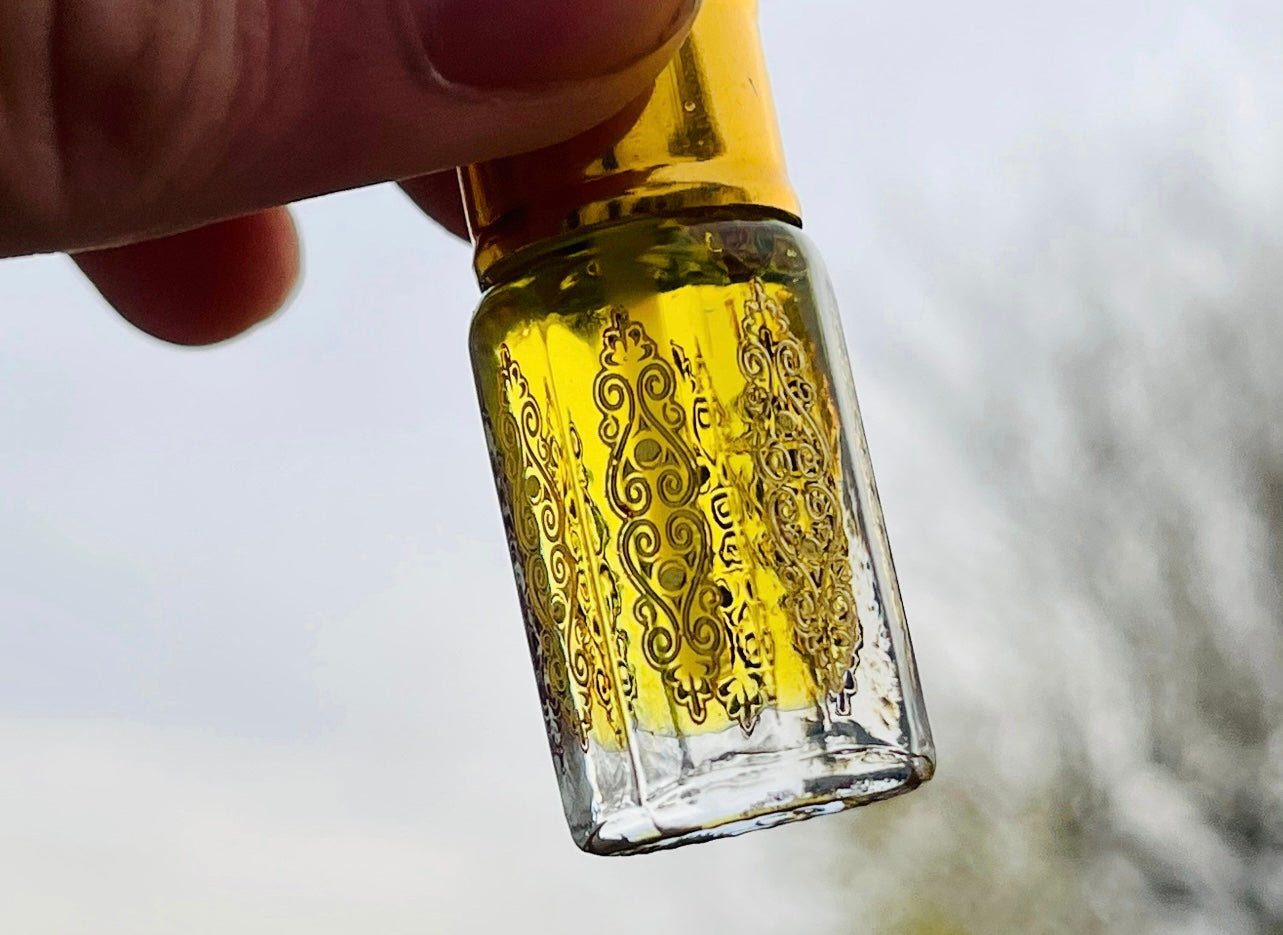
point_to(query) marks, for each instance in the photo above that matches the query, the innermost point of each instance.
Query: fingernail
(523, 44)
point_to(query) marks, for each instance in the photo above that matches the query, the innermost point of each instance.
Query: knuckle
(124, 105)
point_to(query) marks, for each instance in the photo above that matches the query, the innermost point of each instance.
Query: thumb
(169, 114)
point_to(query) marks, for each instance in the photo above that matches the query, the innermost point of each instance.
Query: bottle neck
(705, 138)
(524, 261)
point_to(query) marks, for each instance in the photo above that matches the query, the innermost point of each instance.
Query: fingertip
(202, 286)
(438, 197)
(498, 44)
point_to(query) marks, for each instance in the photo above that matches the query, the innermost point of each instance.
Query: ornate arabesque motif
(708, 499)
(665, 542)
(743, 683)
(568, 591)
(598, 645)
(794, 442)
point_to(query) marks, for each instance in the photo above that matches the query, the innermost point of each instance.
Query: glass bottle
(699, 551)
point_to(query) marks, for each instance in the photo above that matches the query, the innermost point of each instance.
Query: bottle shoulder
(631, 262)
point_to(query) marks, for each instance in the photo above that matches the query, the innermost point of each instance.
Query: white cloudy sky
(260, 661)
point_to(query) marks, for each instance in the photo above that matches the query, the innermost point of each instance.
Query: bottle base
(735, 798)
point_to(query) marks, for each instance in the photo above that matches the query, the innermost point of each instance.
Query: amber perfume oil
(700, 556)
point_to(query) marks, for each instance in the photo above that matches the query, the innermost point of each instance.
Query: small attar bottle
(698, 547)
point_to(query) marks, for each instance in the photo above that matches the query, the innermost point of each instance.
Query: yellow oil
(666, 446)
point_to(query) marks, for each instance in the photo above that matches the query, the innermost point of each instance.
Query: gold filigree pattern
(793, 436)
(593, 633)
(568, 609)
(711, 525)
(517, 428)
(665, 544)
(743, 687)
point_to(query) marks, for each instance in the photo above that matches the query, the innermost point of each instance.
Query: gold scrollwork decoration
(665, 543)
(743, 680)
(793, 435)
(568, 609)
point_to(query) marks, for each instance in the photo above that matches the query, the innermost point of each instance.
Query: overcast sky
(261, 667)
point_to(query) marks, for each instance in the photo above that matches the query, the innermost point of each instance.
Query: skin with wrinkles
(124, 121)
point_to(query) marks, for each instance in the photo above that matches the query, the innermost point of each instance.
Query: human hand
(132, 130)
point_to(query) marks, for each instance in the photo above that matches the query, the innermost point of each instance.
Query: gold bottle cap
(706, 137)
